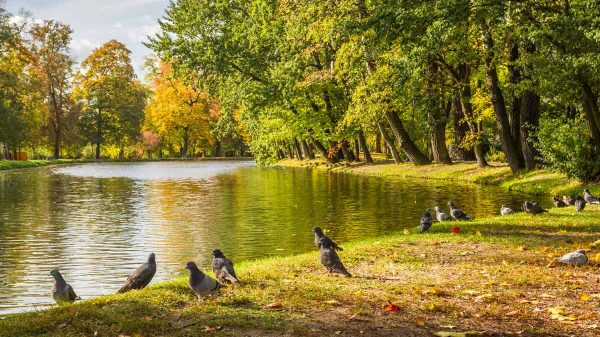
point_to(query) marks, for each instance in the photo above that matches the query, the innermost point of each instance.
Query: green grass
(535, 182)
(493, 277)
(21, 164)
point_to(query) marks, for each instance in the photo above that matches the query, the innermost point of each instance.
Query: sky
(97, 21)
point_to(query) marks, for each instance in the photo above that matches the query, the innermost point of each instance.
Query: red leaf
(390, 307)
(455, 229)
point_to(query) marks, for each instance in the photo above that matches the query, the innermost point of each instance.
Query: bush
(566, 148)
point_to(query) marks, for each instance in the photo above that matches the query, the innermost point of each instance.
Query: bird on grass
(569, 200)
(576, 258)
(533, 208)
(201, 283)
(330, 259)
(579, 204)
(441, 216)
(142, 276)
(559, 203)
(320, 236)
(62, 292)
(505, 210)
(223, 268)
(589, 198)
(426, 222)
(456, 213)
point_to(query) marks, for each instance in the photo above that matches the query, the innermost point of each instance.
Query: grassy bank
(493, 277)
(536, 182)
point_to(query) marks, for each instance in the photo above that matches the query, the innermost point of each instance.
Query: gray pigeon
(579, 204)
(330, 259)
(441, 216)
(504, 210)
(62, 292)
(533, 208)
(569, 200)
(142, 276)
(589, 198)
(223, 268)
(456, 213)
(426, 222)
(576, 258)
(319, 235)
(558, 203)
(201, 283)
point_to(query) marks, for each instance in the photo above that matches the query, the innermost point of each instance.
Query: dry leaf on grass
(455, 229)
(406, 231)
(331, 302)
(559, 314)
(420, 321)
(456, 334)
(274, 306)
(512, 313)
(390, 307)
(212, 328)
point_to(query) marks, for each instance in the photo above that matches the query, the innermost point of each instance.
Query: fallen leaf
(456, 334)
(274, 306)
(390, 307)
(448, 326)
(338, 332)
(584, 297)
(512, 313)
(558, 313)
(455, 229)
(331, 302)
(420, 321)
(587, 315)
(521, 248)
(484, 296)
(477, 232)
(596, 243)
(544, 249)
(592, 326)
(406, 231)
(212, 328)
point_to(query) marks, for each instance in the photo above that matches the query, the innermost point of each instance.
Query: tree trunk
(377, 143)
(466, 107)
(356, 149)
(363, 144)
(98, 135)
(460, 131)
(497, 98)
(290, 153)
(404, 141)
(330, 157)
(56, 143)
(438, 135)
(186, 143)
(516, 100)
(297, 149)
(344, 147)
(389, 142)
(218, 150)
(306, 149)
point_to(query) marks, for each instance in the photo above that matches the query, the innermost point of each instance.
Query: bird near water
(505, 210)
(200, 283)
(558, 203)
(142, 276)
(456, 213)
(223, 268)
(320, 236)
(330, 259)
(425, 222)
(589, 198)
(441, 216)
(533, 208)
(62, 292)
(576, 258)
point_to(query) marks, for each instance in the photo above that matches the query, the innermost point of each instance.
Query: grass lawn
(493, 278)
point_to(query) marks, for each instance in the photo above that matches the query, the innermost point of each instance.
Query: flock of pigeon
(200, 283)
(224, 272)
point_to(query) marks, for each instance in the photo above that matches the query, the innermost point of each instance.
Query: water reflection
(97, 222)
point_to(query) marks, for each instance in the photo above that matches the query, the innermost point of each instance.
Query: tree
(110, 98)
(52, 68)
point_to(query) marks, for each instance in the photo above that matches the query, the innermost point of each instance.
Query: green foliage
(564, 148)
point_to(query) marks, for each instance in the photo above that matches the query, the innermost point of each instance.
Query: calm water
(97, 222)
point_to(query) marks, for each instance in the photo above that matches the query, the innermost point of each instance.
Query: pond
(98, 222)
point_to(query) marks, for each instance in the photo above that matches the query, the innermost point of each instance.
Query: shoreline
(494, 272)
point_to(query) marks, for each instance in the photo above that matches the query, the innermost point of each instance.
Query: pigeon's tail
(338, 248)
(544, 211)
(124, 289)
(342, 270)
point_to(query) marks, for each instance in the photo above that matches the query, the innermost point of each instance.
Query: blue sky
(97, 21)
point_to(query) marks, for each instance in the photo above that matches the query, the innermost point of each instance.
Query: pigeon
(533, 208)
(330, 259)
(576, 258)
(506, 210)
(141, 276)
(441, 216)
(62, 292)
(201, 283)
(223, 268)
(589, 198)
(559, 203)
(426, 222)
(456, 213)
(579, 204)
(319, 235)
(569, 200)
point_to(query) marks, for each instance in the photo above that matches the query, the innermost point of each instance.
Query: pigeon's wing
(139, 278)
(331, 243)
(72, 295)
(445, 217)
(229, 266)
(458, 214)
